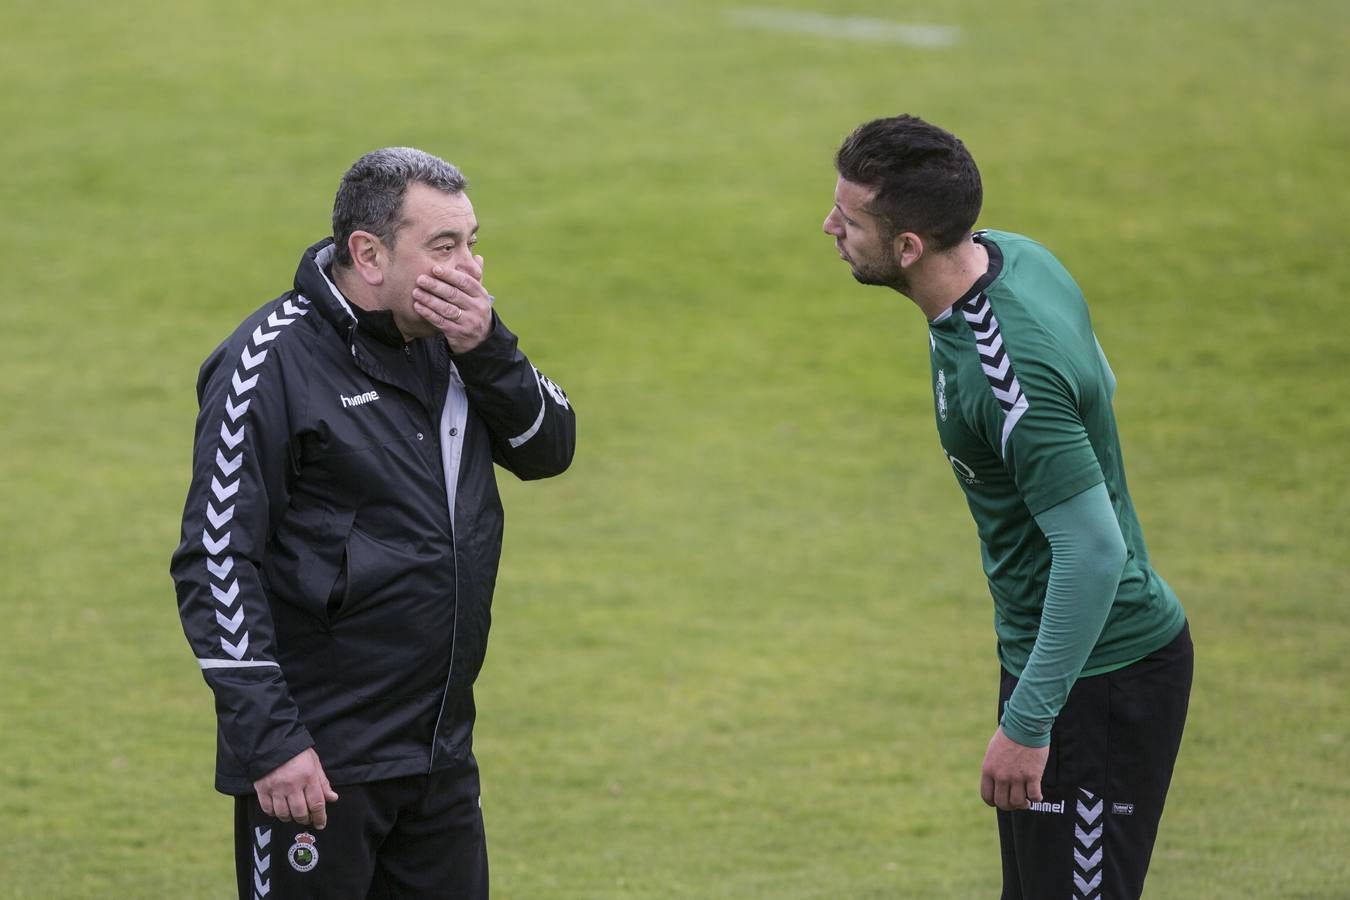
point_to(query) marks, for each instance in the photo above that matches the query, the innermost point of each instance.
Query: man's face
(861, 239)
(436, 229)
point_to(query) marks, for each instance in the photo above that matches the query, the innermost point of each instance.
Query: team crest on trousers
(304, 853)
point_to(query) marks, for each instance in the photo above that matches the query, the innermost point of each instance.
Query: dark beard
(886, 275)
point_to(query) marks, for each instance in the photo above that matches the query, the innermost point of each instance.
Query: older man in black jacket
(341, 538)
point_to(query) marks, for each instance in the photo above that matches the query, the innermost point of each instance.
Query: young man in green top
(1095, 651)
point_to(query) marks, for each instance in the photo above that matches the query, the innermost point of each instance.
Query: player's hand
(456, 304)
(1011, 775)
(297, 791)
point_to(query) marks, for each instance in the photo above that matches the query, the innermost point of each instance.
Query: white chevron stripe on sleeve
(221, 518)
(233, 622)
(223, 492)
(1000, 371)
(232, 439)
(220, 570)
(214, 546)
(991, 346)
(235, 412)
(233, 434)
(237, 650)
(242, 385)
(1011, 395)
(227, 596)
(250, 361)
(985, 330)
(979, 313)
(229, 466)
(261, 337)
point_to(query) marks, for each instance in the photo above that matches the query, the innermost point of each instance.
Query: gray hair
(370, 197)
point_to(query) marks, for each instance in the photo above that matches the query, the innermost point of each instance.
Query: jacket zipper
(454, 556)
(454, 628)
(450, 672)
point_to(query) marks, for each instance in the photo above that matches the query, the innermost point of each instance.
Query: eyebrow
(452, 233)
(842, 212)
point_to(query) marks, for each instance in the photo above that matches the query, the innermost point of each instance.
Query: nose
(829, 226)
(465, 262)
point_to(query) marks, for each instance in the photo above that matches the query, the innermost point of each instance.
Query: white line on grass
(856, 28)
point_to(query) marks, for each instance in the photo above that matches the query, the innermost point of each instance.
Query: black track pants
(412, 837)
(1112, 750)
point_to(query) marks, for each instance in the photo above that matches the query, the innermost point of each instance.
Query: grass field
(743, 648)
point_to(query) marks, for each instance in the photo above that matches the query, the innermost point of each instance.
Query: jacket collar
(312, 283)
(366, 333)
(312, 280)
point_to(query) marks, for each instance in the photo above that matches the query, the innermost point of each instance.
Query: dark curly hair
(925, 179)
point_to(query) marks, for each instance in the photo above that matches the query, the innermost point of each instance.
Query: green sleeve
(1045, 444)
(1087, 557)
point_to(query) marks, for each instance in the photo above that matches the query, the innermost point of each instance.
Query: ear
(369, 256)
(908, 248)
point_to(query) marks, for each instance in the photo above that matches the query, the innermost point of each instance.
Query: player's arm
(239, 466)
(1051, 457)
(1087, 556)
(1046, 449)
(1088, 553)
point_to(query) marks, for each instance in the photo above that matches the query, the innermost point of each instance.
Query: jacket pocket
(394, 622)
(306, 561)
(377, 572)
(337, 594)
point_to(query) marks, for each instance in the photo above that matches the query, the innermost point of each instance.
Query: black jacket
(329, 596)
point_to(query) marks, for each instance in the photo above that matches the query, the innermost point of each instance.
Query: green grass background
(743, 648)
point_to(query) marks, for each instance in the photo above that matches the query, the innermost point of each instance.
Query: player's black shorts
(417, 836)
(1112, 750)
